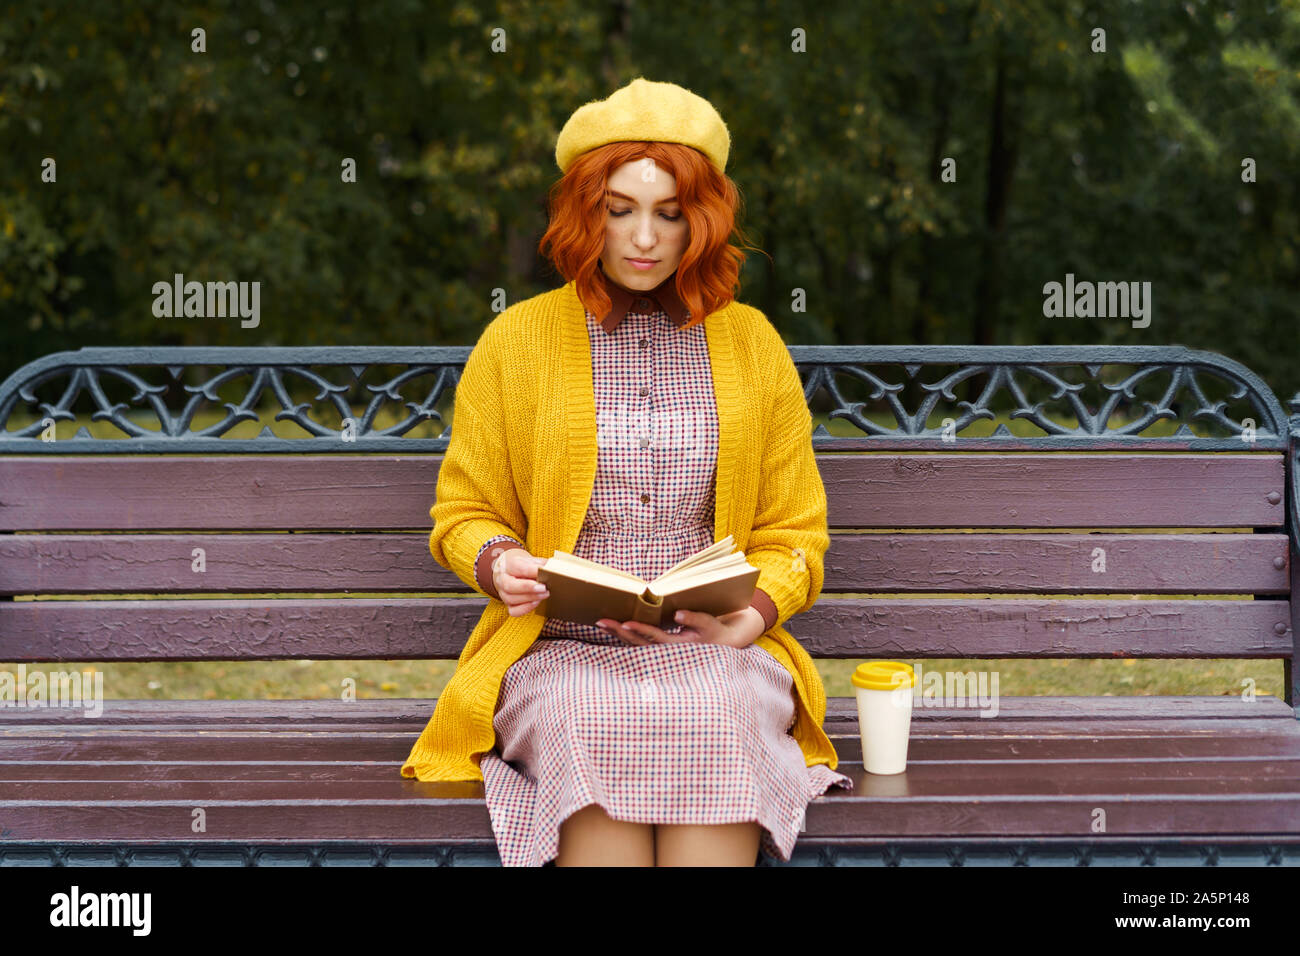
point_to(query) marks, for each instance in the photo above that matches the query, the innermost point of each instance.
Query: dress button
(645, 343)
(644, 498)
(645, 443)
(644, 392)
(641, 304)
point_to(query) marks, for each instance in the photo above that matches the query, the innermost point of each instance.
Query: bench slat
(1215, 563)
(372, 492)
(1036, 490)
(412, 820)
(930, 800)
(425, 628)
(64, 773)
(985, 740)
(1023, 778)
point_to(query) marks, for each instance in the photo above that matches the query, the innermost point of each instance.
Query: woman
(633, 417)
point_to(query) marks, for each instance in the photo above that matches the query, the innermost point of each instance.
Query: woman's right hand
(514, 575)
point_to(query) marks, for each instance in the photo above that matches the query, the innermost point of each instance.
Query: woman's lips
(642, 264)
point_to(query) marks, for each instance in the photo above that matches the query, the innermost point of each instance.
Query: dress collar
(663, 296)
(729, 330)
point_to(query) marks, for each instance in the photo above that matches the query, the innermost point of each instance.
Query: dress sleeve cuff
(765, 606)
(483, 568)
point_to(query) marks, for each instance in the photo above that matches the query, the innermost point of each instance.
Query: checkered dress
(663, 733)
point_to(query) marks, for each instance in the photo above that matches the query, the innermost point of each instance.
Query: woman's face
(642, 221)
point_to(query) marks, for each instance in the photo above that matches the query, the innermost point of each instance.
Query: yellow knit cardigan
(522, 461)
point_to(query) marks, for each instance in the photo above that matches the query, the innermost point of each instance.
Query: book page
(730, 563)
(718, 548)
(696, 578)
(563, 559)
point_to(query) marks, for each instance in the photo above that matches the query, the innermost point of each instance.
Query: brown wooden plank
(1194, 815)
(218, 493)
(955, 627)
(414, 816)
(77, 773)
(1147, 708)
(376, 492)
(1250, 718)
(149, 758)
(315, 745)
(1037, 490)
(47, 731)
(1096, 849)
(1131, 779)
(1217, 563)
(401, 819)
(422, 628)
(142, 563)
(1290, 673)
(343, 628)
(68, 770)
(994, 732)
(991, 739)
(1126, 749)
(320, 715)
(1211, 563)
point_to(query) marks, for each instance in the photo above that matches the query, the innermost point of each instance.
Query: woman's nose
(644, 236)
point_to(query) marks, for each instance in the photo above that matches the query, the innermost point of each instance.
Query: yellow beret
(645, 110)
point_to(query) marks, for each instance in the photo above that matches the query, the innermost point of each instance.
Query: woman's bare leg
(722, 844)
(590, 837)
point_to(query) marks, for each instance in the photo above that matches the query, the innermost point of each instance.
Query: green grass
(274, 680)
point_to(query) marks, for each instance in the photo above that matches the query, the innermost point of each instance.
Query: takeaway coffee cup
(884, 691)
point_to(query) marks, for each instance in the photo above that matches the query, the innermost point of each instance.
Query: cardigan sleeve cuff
(765, 606)
(483, 566)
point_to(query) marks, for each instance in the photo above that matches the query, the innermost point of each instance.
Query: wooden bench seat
(1175, 547)
(313, 781)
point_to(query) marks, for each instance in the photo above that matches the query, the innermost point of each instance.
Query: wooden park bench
(1142, 505)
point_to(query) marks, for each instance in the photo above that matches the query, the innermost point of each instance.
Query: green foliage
(1122, 165)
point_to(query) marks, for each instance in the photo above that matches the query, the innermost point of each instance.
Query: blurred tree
(1116, 165)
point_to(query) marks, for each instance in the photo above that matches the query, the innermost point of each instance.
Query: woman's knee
(722, 844)
(591, 837)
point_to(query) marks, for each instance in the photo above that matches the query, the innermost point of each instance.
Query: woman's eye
(624, 212)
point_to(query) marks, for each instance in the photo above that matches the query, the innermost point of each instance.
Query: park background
(1122, 165)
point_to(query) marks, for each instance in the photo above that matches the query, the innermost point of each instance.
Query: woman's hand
(514, 575)
(737, 629)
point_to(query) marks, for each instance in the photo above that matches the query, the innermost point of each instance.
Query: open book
(716, 580)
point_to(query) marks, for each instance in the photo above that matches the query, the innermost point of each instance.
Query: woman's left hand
(737, 629)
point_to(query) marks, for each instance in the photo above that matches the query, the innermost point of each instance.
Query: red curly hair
(709, 272)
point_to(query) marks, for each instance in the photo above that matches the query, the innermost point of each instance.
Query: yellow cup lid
(884, 675)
